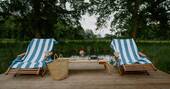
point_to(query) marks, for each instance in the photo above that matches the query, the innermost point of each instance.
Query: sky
(89, 22)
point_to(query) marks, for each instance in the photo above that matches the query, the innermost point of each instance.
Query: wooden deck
(87, 76)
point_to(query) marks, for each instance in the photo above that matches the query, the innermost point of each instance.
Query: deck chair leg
(107, 68)
(104, 66)
(44, 71)
(154, 68)
(38, 71)
(120, 70)
(15, 75)
(6, 73)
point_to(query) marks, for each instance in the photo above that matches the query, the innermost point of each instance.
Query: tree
(65, 31)
(135, 18)
(38, 17)
(89, 34)
(108, 36)
(131, 17)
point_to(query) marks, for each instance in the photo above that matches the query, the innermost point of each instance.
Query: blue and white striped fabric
(35, 54)
(128, 52)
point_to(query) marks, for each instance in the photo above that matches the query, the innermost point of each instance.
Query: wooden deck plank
(87, 76)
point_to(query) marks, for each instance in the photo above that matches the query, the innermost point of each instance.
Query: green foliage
(64, 31)
(146, 19)
(157, 51)
(9, 29)
(8, 52)
(26, 19)
(91, 47)
(37, 18)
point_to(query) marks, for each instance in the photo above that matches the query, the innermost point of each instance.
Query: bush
(158, 52)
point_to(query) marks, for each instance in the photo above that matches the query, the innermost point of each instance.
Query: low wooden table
(85, 60)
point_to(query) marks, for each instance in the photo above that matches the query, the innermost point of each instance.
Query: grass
(158, 52)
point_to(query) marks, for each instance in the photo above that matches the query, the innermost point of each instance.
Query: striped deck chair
(34, 59)
(129, 58)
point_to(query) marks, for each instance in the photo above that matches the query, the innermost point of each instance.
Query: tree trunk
(135, 18)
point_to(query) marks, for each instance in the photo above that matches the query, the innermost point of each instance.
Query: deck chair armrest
(116, 55)
(50, 53)
(21, 55)
(17, 59)
(47, 54)
(141, 54)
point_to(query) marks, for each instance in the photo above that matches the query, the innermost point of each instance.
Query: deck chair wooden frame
(37, 71)
(136, 67)
(122, 69)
